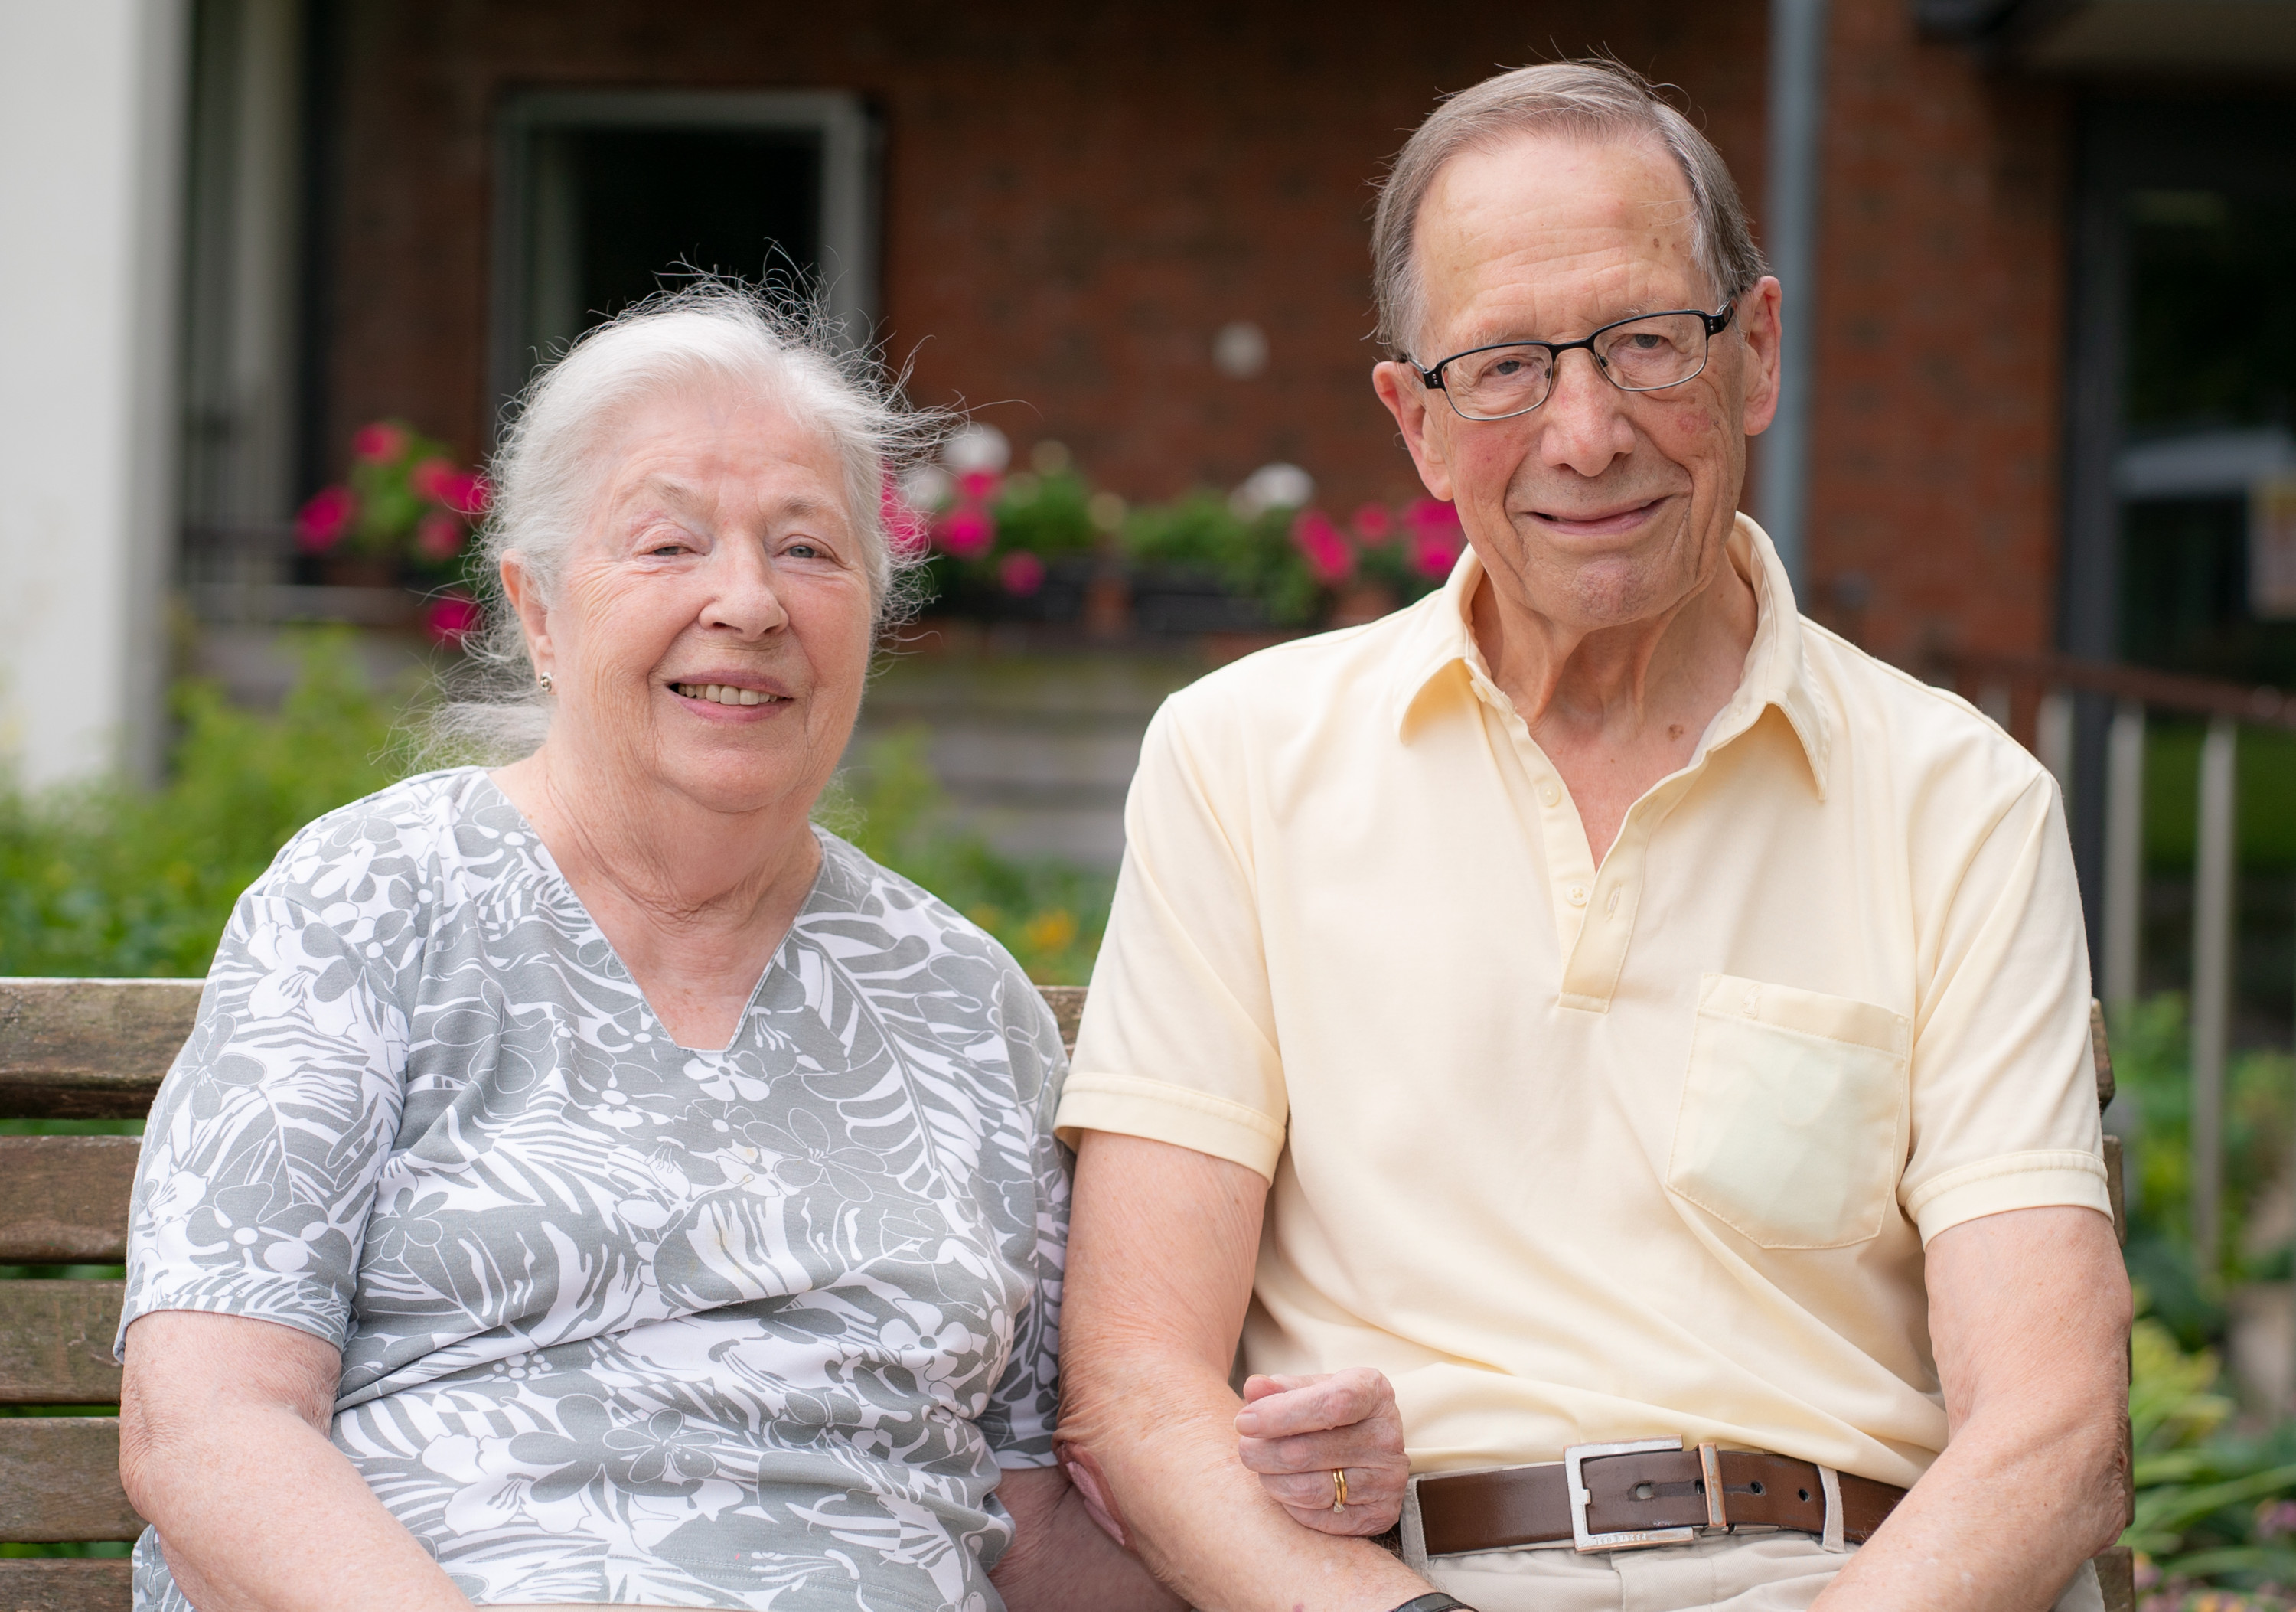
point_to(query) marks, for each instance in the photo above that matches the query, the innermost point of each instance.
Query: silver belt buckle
(1584, 1540)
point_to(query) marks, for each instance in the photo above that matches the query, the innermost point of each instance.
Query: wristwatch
(1435, 1600)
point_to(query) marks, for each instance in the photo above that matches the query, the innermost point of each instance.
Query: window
(609, 196)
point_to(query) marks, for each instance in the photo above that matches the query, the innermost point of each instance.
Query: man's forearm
(2029, 1312)
(2002, 1521)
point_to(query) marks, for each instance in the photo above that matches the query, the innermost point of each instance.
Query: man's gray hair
(548, 471)
(1589, 99)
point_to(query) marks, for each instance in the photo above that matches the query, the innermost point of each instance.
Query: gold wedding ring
(1338, 1488)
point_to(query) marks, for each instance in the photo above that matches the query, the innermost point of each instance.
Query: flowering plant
(1300, 564)
(996, 538)
(407, 503)
(993, 536)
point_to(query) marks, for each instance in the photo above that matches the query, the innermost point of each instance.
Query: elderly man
(1597, 999)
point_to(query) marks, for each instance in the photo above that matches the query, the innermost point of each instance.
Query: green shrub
(2212, 1507)
(110, 880)
(1049, 913)
(2152, 1067)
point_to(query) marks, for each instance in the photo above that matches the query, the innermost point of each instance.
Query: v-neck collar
(530, 845)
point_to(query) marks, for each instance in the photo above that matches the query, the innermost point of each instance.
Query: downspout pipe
(1790, 230)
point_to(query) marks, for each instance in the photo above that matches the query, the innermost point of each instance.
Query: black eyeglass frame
(1716, 323)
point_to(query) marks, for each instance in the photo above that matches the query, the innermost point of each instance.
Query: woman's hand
(1297, 1431)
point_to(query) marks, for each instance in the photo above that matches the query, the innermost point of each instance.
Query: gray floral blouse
(623, 1321)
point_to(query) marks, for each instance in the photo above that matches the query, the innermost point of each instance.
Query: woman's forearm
(1161, 1249)
(1166, 1442)
(1060, 1559)
(256, 1510)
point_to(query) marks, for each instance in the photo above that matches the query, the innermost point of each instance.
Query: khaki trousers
(1733, 1573)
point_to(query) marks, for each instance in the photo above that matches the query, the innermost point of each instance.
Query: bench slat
(33, 1585)
(88, 1049)
(56, 1342)
(60, 1480)
(63, 1199)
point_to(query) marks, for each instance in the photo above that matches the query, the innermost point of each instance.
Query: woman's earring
(544, 680)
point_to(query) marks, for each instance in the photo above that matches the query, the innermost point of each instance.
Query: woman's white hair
(547, 470)
(1595, 100)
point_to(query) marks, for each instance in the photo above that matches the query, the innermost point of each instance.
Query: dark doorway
(611, 196)
(651, 205)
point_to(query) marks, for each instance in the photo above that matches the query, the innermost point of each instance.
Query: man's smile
(1603, 523)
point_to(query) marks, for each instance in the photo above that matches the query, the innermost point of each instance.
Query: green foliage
(1047, 913)
(1254, 558)
(2216, 1505)
(107, 879)
(2210, 1505)
(2151, 1060)
(1047, 515)
(2266, 783)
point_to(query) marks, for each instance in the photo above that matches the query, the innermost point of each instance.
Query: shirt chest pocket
(1792, 1125)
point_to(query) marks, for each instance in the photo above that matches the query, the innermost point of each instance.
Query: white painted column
(2213, 899)
(92, 97)
(1790, 223)
(2124, 854)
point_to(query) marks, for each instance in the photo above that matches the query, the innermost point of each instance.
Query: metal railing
(2033, 697)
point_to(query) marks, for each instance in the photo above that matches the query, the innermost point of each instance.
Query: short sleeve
(262, 1152)
(1185, 929)
(2005, 1113)
(1024, 1407)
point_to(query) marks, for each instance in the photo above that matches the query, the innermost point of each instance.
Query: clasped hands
(1294, 1432)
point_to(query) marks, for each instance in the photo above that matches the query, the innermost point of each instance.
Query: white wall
(92, 96)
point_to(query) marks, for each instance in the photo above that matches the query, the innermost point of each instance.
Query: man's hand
(1297, 1431)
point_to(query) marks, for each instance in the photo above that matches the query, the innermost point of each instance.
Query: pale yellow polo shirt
(1577, 1154)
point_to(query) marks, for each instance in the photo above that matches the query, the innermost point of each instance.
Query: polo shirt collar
(1438, 648)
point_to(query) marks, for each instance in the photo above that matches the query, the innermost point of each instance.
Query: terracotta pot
(357, 571)
(1108, 606)
(1363, 602)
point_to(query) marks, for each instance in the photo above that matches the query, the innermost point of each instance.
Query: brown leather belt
(1653, 1493)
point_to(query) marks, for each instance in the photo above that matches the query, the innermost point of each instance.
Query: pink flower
(438, 537)
(430, 478)
(1436, 538)
(967, 532)
(464, 493)
(1324, 547)
(321, 523)
(1021, 573)
(909, 530)
(379, 443)
(978, 485)
(1374, 524)
(451, 618)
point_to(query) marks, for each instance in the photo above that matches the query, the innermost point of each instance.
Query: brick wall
(1934, 507)
(1077, 197)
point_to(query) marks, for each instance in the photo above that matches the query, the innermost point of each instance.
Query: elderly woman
(588, 1182)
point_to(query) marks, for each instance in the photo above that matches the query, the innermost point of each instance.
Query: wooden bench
(96, 1049)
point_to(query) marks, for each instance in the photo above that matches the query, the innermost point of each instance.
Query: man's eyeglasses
(1648, 353)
